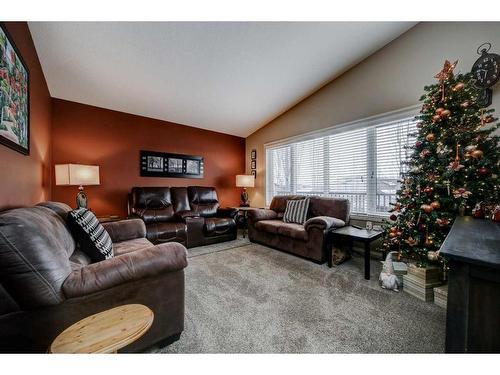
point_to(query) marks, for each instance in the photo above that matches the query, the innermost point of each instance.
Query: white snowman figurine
(388, 280)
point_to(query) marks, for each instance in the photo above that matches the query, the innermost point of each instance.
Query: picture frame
(253, 154)
(14, 96)
(253, 164)
(162, 164)
(254, 173)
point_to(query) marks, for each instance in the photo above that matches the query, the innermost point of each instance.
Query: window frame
(371, 124)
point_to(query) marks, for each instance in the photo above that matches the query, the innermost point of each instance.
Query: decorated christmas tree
(453, 168)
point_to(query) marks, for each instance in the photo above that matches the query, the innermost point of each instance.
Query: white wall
(390, 79)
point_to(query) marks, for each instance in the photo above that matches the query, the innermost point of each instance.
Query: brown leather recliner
(191, 216)
(47, 284)
(266, 226)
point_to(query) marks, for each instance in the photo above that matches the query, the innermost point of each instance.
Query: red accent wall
(90, 135)
(26, 180)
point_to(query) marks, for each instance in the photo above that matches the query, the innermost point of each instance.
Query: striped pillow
(90, 234)
(296, 211)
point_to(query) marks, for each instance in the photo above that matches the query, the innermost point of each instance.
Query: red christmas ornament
(435, 205)
(393, 217)
(439, 111)
(427, 208)
(420, 125)
(429, 190)
(418, 144)
(436, 118)
(483, 171)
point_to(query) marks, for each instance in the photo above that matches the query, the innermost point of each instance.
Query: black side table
(353, 234)
(243, 218)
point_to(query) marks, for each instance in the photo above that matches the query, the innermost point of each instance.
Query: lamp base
(244, 199)
(81, 198)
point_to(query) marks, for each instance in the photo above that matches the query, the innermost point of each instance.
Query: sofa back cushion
(334, 207)
(203, 200)
(35, 245)
(180, 200)
(152, 204)
(278, 204)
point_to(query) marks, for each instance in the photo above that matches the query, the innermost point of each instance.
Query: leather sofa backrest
(35, 245)
(333, 207)
(278, 204)
(203, 200)
(180, 199)
(152, 204)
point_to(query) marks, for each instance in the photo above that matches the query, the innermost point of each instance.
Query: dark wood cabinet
(473, 310)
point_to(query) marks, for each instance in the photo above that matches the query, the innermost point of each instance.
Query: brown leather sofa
(266, 226)
(47, 284)
(188, 215)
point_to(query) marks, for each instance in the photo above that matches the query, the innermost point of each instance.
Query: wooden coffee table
(105, 332)
(354, 234)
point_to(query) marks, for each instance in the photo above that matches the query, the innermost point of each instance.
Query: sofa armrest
(323, 223)
(140, 264)
(183, 215)
(227, 212)
(259, 214)
(125, 230)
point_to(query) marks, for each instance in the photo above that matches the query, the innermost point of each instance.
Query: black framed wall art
(163, 164)
(14, 96)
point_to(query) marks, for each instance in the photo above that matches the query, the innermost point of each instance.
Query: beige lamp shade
(245, 180)
(77, 174)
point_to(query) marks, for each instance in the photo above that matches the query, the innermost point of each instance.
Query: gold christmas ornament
(477, 154)
(439, 111)
(445, 113)
(459, 86)
(436, 118)
(430, 137)
(427, 208)
(435, 205)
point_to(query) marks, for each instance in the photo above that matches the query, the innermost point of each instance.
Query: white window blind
(362, 164)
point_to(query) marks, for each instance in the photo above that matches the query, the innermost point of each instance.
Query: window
(361, 162)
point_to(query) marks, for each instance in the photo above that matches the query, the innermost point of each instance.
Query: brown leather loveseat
(189, 215)
(266, 226)
(47, 284)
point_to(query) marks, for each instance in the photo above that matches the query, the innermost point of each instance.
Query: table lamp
(244, 181)
(78, 175)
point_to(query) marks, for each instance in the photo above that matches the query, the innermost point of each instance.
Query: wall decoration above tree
(14, 96)
(454, 166)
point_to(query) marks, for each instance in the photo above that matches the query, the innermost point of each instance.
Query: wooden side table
(105, 332)
(353, 234)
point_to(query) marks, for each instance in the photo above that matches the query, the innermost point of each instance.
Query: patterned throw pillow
(296, 211)
(90, 234)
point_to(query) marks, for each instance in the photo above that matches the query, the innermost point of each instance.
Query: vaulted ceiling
(230, 77)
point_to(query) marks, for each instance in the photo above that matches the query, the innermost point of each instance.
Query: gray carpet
(253, 299)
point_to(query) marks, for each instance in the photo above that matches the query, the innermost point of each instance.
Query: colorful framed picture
(14, 96)
(253, 164)
(253, 154)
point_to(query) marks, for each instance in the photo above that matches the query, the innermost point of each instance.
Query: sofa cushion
(333, 207)
(270, 226)
(34, 249)
(152, 204)
(90, 234)
(165, 232)
(296, 231)
(128, 246)
(278, 203)
(203, 200)
(296, 211)
(218, 225)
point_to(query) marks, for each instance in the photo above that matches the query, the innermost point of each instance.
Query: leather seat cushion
(218, 225)
(165, 232)
(269, 226)
(293, 230)
(128, 246)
